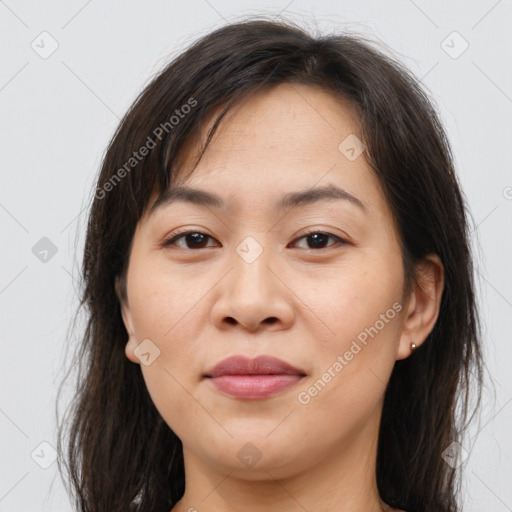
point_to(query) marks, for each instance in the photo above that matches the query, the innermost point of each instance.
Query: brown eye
(198, 240)
(319, 239)
(192, 240)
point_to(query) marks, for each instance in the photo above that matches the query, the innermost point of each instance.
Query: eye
(196, 239)
(318, 239)
(199, 240)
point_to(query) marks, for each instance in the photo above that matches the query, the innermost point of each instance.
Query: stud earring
(413, 347)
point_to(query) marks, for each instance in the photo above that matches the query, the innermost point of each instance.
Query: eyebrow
(288, 201)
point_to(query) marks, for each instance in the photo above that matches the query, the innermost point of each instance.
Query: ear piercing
(413, 347)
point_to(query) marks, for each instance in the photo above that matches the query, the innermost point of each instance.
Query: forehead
(287, 118)
(283, 139)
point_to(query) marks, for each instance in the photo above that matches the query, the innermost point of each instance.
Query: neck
(344, 481)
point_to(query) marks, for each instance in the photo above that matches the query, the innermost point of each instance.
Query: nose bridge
(252, 294)
(251, 273)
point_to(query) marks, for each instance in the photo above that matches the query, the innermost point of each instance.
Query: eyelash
(176, 236)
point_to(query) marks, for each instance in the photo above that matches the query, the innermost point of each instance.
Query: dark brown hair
(120, 453)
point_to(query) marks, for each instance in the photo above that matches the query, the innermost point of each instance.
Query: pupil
(316, 237)
(197, 238)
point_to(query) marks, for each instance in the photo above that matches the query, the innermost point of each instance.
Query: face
(316, 282)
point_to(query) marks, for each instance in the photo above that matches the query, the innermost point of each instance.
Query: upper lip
(261, 365)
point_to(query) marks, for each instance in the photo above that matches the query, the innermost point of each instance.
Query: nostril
(230, 320)
(270, 320)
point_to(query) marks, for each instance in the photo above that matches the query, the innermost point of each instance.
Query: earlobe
(424, 305)
(131, 344)
(129, 348)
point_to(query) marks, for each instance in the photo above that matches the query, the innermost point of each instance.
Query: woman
(279, 289)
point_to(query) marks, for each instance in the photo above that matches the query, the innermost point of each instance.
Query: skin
(199, 306)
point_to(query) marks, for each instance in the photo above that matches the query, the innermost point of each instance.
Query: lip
(261, 377)
(261, 365)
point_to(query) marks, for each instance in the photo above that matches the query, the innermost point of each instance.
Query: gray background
(59, 111)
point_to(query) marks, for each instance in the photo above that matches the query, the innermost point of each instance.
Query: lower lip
(254, 386)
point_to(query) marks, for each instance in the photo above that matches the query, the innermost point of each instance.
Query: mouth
(262, 377)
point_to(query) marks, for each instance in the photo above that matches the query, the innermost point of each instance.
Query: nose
(254, 296)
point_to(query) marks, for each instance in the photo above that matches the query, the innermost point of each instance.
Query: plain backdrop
(69, 71)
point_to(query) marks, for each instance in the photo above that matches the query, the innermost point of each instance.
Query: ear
(423, 305)
(131, 344)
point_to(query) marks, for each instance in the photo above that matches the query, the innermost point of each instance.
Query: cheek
(335, 305)
(357, 339)
(163, 311)
(352, 297)
(163, 299)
